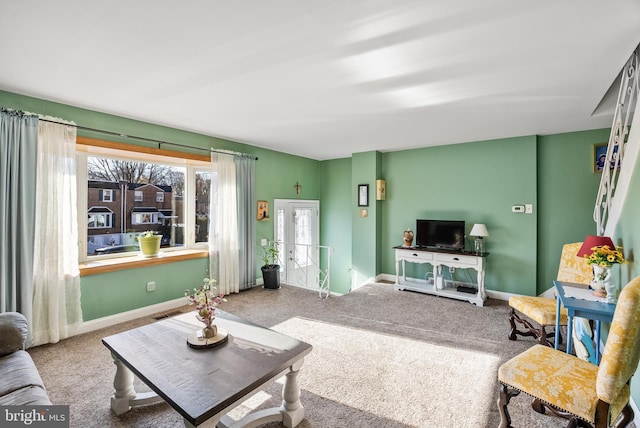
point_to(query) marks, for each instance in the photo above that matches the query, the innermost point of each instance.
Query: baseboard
(146, 311)
(386, 277)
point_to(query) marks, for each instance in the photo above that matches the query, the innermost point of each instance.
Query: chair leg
(538, 333)
(625, 418)
(503, 401)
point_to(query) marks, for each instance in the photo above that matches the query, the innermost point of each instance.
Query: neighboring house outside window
(139, 196)
(159, 196)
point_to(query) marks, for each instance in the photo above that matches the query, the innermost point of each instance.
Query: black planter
(271, 276)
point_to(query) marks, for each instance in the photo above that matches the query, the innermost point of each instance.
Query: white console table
(438, 259)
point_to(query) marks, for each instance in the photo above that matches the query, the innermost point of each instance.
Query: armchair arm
(13, 332)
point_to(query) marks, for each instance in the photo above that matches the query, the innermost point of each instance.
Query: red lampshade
(594, 241)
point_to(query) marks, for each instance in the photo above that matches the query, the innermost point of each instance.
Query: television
(444, 234)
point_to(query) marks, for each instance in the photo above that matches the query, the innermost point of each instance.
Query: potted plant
(270, 269)
(149, 243)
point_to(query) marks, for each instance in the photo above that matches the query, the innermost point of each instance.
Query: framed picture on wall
(600, 156)
(263, 210)
(363, 195)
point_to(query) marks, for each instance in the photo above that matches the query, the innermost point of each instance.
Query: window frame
(86, 147)
(106, 192)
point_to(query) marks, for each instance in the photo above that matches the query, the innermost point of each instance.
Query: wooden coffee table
(205, 384)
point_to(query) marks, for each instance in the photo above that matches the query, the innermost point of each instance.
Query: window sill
(121, 263)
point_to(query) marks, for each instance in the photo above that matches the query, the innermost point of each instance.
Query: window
(99, 221)
(202, 194)
(144, 217)
(113, 185)
(107, 195)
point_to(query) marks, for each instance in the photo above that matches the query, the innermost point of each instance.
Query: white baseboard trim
(386, 277)
(499, 295)
(110, 320)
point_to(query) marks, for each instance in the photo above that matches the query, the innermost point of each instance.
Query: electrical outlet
(151, 286)
(263, 242)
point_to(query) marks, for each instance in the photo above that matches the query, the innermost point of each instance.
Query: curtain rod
(158, 142)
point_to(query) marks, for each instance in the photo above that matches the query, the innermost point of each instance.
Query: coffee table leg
(123, 383)
(292, 409)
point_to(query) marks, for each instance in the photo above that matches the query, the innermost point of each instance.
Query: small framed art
(600, 157)
(263, 210)
(363, 195)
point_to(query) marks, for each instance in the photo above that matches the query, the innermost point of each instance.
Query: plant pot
(150, 245)
(271, 276)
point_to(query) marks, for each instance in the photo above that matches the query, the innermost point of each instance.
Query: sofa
(21, 383)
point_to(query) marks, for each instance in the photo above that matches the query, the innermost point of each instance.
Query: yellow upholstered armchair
(586, 394)
(542, 310)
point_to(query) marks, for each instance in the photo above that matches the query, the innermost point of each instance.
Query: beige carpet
(381, 358)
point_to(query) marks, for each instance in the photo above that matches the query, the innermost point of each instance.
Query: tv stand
(438, 258)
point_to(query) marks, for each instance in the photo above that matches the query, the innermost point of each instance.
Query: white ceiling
(326, 78)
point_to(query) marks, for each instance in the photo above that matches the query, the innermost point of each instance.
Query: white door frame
(294, 256)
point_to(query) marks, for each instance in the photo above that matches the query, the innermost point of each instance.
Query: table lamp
(594, 241)
(479, 230)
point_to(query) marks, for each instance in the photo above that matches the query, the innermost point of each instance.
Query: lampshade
(594, 241)
(479, 229)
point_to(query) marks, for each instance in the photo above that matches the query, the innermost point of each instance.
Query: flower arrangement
(206, 300)
(605, 256)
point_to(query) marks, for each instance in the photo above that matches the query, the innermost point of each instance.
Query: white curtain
(223, 227)
(56, 277)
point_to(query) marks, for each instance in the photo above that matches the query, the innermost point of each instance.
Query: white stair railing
(617, 146)
(311, 265)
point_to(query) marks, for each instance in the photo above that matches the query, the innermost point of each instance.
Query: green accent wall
(364, 239)
(477, 183)
(567, 189)
(628, 235)
(335, 220)
(124, 290)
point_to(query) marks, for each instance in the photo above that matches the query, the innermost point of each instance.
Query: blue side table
(589, 309)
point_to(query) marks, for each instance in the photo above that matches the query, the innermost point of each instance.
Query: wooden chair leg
(625, 418)
(503, 401)
(539, 333)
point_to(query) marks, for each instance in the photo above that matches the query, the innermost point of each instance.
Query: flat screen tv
(445, 234)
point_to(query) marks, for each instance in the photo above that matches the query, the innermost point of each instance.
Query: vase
(150, 245)
(601, 280)
(407, 237)
(210, 331)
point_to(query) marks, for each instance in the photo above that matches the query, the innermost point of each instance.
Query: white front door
(297, 229)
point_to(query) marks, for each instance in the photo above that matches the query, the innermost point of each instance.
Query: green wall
(364, 240)
(567, 189)
(124, 290)
(335, 220)
(477, 183)
(628, 235)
